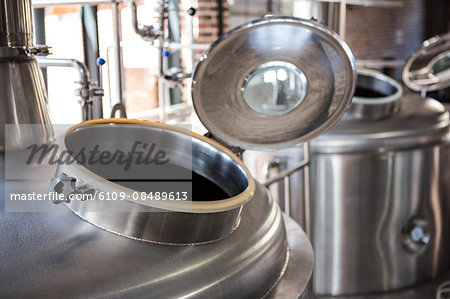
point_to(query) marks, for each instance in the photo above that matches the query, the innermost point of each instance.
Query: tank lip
(178, 206)
(381, 100)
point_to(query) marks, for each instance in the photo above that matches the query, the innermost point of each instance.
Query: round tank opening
(147, 156)
(371, 86)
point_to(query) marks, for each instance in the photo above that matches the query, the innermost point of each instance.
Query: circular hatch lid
(273, 83)
(428, 68)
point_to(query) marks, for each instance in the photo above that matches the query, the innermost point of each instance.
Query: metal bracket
(38, 50)
(235, 149)
(67, 185)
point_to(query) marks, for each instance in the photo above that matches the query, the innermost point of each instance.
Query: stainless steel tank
(380, 215)
(379, 206)
(227, 244)
(209, 247)
(23, 96)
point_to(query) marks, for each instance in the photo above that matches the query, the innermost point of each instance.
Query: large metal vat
(161, 249)
(380, 215)
(237, 244)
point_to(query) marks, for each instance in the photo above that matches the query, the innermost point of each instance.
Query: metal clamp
(66, 185)
(24, 52)
(38, 50)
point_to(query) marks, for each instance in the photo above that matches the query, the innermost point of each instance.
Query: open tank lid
(428, 68)
(273, 83)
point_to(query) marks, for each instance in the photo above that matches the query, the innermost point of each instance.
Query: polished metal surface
(418, 122)
(366, 215)
(16, 27)
(300, 252)
(88, 89)
(201, 219)
(269, 164)
(23, 94)
(428, 68)
(23, 102)
(376, 96)
(44, 3)
(425, 290)
(72, 258)
(220, 77)
(380, 212)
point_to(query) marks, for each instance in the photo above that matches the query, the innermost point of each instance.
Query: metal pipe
(307, 188)
(118, 52)
(16, 27)
(134, 18)
(220, 17)
(147, 32)
(44, 3)
(178, 46)
(81, 68)
(342, 18)
(83, 73)
(285, 173)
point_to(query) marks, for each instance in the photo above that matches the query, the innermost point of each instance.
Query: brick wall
(141, 87)
(385, 33)
(207, 19)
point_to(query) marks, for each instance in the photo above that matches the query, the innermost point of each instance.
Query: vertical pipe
(39, 33)
(220, 17)
(91, 53)
(269, 6)
(163, 89)
(342, 18)
(307, 189)
(118, 53)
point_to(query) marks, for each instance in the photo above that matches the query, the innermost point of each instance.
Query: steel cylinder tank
(380, 211)
(230, 240)
(23, 97)
(214, 246)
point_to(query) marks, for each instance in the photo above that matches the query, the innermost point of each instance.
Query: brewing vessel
(380, 210)
(230, 239)
(379, 206)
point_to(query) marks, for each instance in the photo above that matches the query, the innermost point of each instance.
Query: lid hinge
(235, 149)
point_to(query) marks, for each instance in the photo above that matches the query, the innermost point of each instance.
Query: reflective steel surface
(21, 85)
(379, 221)
(232, 113)
(380, 212)
(72, 258)
(16, 25)
(424, 290)
(23, 102)
(380, 196)
(418, 122)
(428, 68)
(203, 218)
(376, 96)
(265, 165)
